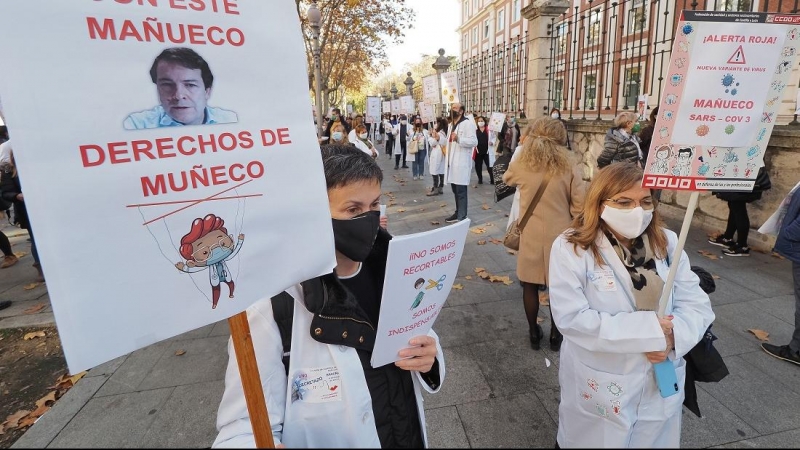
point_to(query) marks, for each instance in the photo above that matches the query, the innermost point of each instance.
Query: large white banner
(426, 112)
(176, 212)
(373, 110)
(396, 109)
(407, 104)
(386, 107)
(430, 89)
(450, 89)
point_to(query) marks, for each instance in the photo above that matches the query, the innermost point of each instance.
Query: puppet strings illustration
(205, 243)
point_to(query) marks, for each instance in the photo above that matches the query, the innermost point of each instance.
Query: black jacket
(9, 188)
(330, 125)
(618, 147)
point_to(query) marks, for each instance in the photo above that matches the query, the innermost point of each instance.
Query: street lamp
(441, 65)
(314, 19)
(393, 90)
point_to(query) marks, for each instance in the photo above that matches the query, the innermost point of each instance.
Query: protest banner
(450, 88)
(496, 121)
(183, 205)
(396, 109)
(386, 107)
(373, 110)
(641, 106)
(426, 112)
(407, 104)
(430, 89)
(420, 271)
(726, 78)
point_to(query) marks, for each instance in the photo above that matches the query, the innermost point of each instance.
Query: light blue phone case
(666, 378)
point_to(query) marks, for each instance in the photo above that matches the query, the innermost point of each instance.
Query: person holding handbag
(551, 191)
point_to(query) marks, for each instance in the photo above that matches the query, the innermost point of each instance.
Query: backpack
(283, 313)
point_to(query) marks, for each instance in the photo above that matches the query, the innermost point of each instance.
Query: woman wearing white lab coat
(612, 336)
(437, 141)
(458, 159)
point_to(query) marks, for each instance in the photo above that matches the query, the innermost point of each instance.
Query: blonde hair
(608, 182)
(360, 128)
(624, 117)
(338, 127)
(543, 148)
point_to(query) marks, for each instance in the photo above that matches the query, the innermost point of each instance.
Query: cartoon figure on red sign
(208, 246)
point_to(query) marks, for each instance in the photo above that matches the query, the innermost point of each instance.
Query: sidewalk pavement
(497, 393)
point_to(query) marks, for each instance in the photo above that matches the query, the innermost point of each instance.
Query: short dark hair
(185, 57)
(345, 164)
(688, 150)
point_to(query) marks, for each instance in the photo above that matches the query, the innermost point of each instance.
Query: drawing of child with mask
(661, 164)
(684, 166)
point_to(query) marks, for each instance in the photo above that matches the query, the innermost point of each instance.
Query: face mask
(513, 122)
(403, 122)
(555, 115)
(453, 114)
(636, 128)
(218, 254)
(481, 124)
(362, 135)
(354, 238)
(418, 124)
(337, 136)
(629, 223)
(334, 117)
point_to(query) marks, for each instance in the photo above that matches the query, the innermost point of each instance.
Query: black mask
(355, 237)
(454, 115)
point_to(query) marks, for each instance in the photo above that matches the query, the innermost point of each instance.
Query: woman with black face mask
(336, 398)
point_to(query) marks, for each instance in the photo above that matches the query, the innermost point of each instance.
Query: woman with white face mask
(606, 277)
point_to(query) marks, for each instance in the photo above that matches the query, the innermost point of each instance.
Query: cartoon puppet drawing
(208, 246)
(661, 164)
(683, 167)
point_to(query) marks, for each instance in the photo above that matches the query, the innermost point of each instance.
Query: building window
(589, 91)
(465, 41)
(595, 27)
(637, 17)
(516, 9)
(466, 10)
(501, 20)
(475, 5)
(735, 5)
(558, 93)
(475, 36)
(561, 39)
(631, 87)
(486, 29)
(513, 99)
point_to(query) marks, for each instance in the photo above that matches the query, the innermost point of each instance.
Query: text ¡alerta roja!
(740, 39)
(93, 155)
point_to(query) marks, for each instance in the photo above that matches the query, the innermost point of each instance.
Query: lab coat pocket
(608, 396)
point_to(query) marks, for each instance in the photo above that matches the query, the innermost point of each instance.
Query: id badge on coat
(603, 280)
(317, 385)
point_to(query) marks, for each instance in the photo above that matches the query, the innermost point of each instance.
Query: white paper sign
(450, 90)
(373, 110)
(430, 89)
(420, 272)
(496, 122)
(426, 112)
(172, 218)
(641, 106)
(396, 109)
(386, 107)
(407, 104)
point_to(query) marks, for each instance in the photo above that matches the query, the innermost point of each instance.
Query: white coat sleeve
(594, 330)
(690, 306)
(466, 134)
(233, 419)
(440, 360)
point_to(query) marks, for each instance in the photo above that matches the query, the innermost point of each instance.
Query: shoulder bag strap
(534, 202)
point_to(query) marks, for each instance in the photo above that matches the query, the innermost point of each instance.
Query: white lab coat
(359, 144)
(436, 161)
(609, 396)
(459, 163)
(346, 422)
(398, 150)
(513, 215)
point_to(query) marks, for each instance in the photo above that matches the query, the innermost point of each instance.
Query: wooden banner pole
(676, 256)
(251, 381)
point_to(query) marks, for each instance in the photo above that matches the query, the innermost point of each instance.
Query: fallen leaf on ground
(12, 421)
(401, 210)
(511, 252)
(28, 287)
(180, 352)
(486, 207)
(34, 309)
(391, 204)
(479, 270)
(489, 224)
(475, 185)
(50, 397)
(760, 334)
(481, 242)
(421, 209)
(498, 279)
(19, 254)
(716, 277)
(495, 241)
(468, 277)
(708, 254)
(33, 335)
(435, 222)
(458, 287)
(66, 381)
(777, 255)
(443, 205)
(478, 230)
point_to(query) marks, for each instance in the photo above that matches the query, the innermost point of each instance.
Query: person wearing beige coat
(543, 153)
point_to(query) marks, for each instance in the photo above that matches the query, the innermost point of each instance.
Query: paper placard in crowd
(641, 106)
(426, 112)
(396, 109)
(496, 122)
(430, 89)
(450, 89)
(407, 104)
(172, 216)
(386, 107)
(420, 271)
(373, 110)
(728, 72)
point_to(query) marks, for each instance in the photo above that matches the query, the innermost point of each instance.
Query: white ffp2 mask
(629, 223)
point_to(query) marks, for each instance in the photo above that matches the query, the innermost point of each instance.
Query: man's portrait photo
(183, 81)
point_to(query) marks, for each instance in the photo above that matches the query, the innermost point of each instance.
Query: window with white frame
(735, 5)
(475, 36)
(637, 17)
(558, 93)
(589, 91)
(486, 29)
(561, 38)
(465, 41)
(516, 10)
(501, 20)
(465, 10)
(595, 27)
(630, 89)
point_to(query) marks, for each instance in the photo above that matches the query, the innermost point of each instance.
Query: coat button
(361, 340)
(318, 331)
(344, 335)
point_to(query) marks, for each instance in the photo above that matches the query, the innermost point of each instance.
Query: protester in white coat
(437, 142)
(458, 166)
(333, 397)
(606, 277)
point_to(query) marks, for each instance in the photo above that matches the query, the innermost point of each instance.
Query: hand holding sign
(420, 356)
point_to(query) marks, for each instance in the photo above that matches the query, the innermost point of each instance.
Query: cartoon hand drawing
(683, 167)
(661, 164)
(208, 246)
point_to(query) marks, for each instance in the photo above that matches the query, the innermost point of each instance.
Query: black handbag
(502, 190)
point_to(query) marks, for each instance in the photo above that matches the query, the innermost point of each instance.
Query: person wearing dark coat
(621, 142)
(11, 191)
